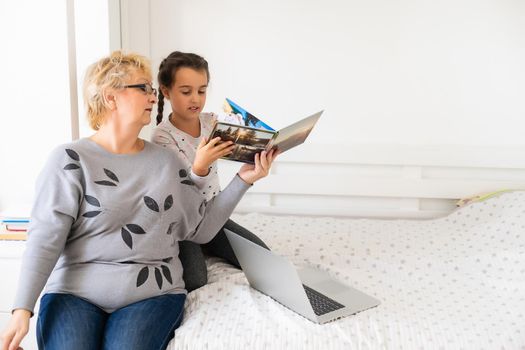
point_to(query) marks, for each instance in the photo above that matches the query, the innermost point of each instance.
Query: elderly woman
(109, 212)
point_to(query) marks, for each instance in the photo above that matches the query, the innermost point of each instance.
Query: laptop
(309, 292)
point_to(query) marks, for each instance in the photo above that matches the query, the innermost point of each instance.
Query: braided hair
(168, 68)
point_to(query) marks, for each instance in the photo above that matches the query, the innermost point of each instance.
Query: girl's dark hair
(168, 68)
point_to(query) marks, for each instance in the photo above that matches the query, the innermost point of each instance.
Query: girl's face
(187, 95)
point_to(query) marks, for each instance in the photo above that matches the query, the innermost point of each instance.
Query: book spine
(269, 146)
(16, 228)
(19, 236)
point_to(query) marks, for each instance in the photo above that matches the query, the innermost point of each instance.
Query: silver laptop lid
(277, 277)
(260, 267)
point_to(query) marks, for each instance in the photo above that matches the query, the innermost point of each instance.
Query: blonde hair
(109, 72)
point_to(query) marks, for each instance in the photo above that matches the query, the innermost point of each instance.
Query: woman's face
(187, 95)
(133, 101)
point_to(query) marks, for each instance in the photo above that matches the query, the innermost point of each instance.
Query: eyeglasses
(146, 88)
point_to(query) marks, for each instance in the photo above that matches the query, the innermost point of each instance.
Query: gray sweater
(105, 227)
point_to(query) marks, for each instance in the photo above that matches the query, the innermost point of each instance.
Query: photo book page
(251, 135)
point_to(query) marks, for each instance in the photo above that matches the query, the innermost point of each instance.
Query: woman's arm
(58, 193)
(57, 197)
(16, 330)
(216, 212)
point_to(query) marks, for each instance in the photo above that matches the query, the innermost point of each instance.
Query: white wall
(43, 62)
(34, 94)
(386, 72)
(423, 99)
(92, 38)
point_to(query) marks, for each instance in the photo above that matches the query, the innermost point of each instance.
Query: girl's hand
(209, 152)
(16, 330)
(250, 173)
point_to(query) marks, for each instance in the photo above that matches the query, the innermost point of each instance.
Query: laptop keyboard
(320, 302)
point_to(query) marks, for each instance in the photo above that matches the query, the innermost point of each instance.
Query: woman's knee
(69, 322)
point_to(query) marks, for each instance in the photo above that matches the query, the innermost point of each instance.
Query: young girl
(183, 79)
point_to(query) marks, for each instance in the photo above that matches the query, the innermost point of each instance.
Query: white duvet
(452, 283)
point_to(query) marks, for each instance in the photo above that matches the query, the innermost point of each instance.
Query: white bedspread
(451, 283)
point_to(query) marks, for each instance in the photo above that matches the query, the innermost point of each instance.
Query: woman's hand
(16, 330)
(208, 153)
(250, 173)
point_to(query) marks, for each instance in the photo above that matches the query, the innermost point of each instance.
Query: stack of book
(13, 228)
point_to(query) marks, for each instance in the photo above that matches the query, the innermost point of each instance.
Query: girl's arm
(209, 152)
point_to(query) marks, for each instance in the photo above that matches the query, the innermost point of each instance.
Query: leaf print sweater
(105, 227)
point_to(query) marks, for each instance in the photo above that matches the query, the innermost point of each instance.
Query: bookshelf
(8, 235)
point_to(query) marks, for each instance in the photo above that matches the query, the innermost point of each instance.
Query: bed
(456, 282)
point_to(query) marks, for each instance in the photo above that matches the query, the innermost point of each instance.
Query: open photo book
(252, 136)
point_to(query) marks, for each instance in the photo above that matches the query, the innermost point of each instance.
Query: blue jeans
(69, 322)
